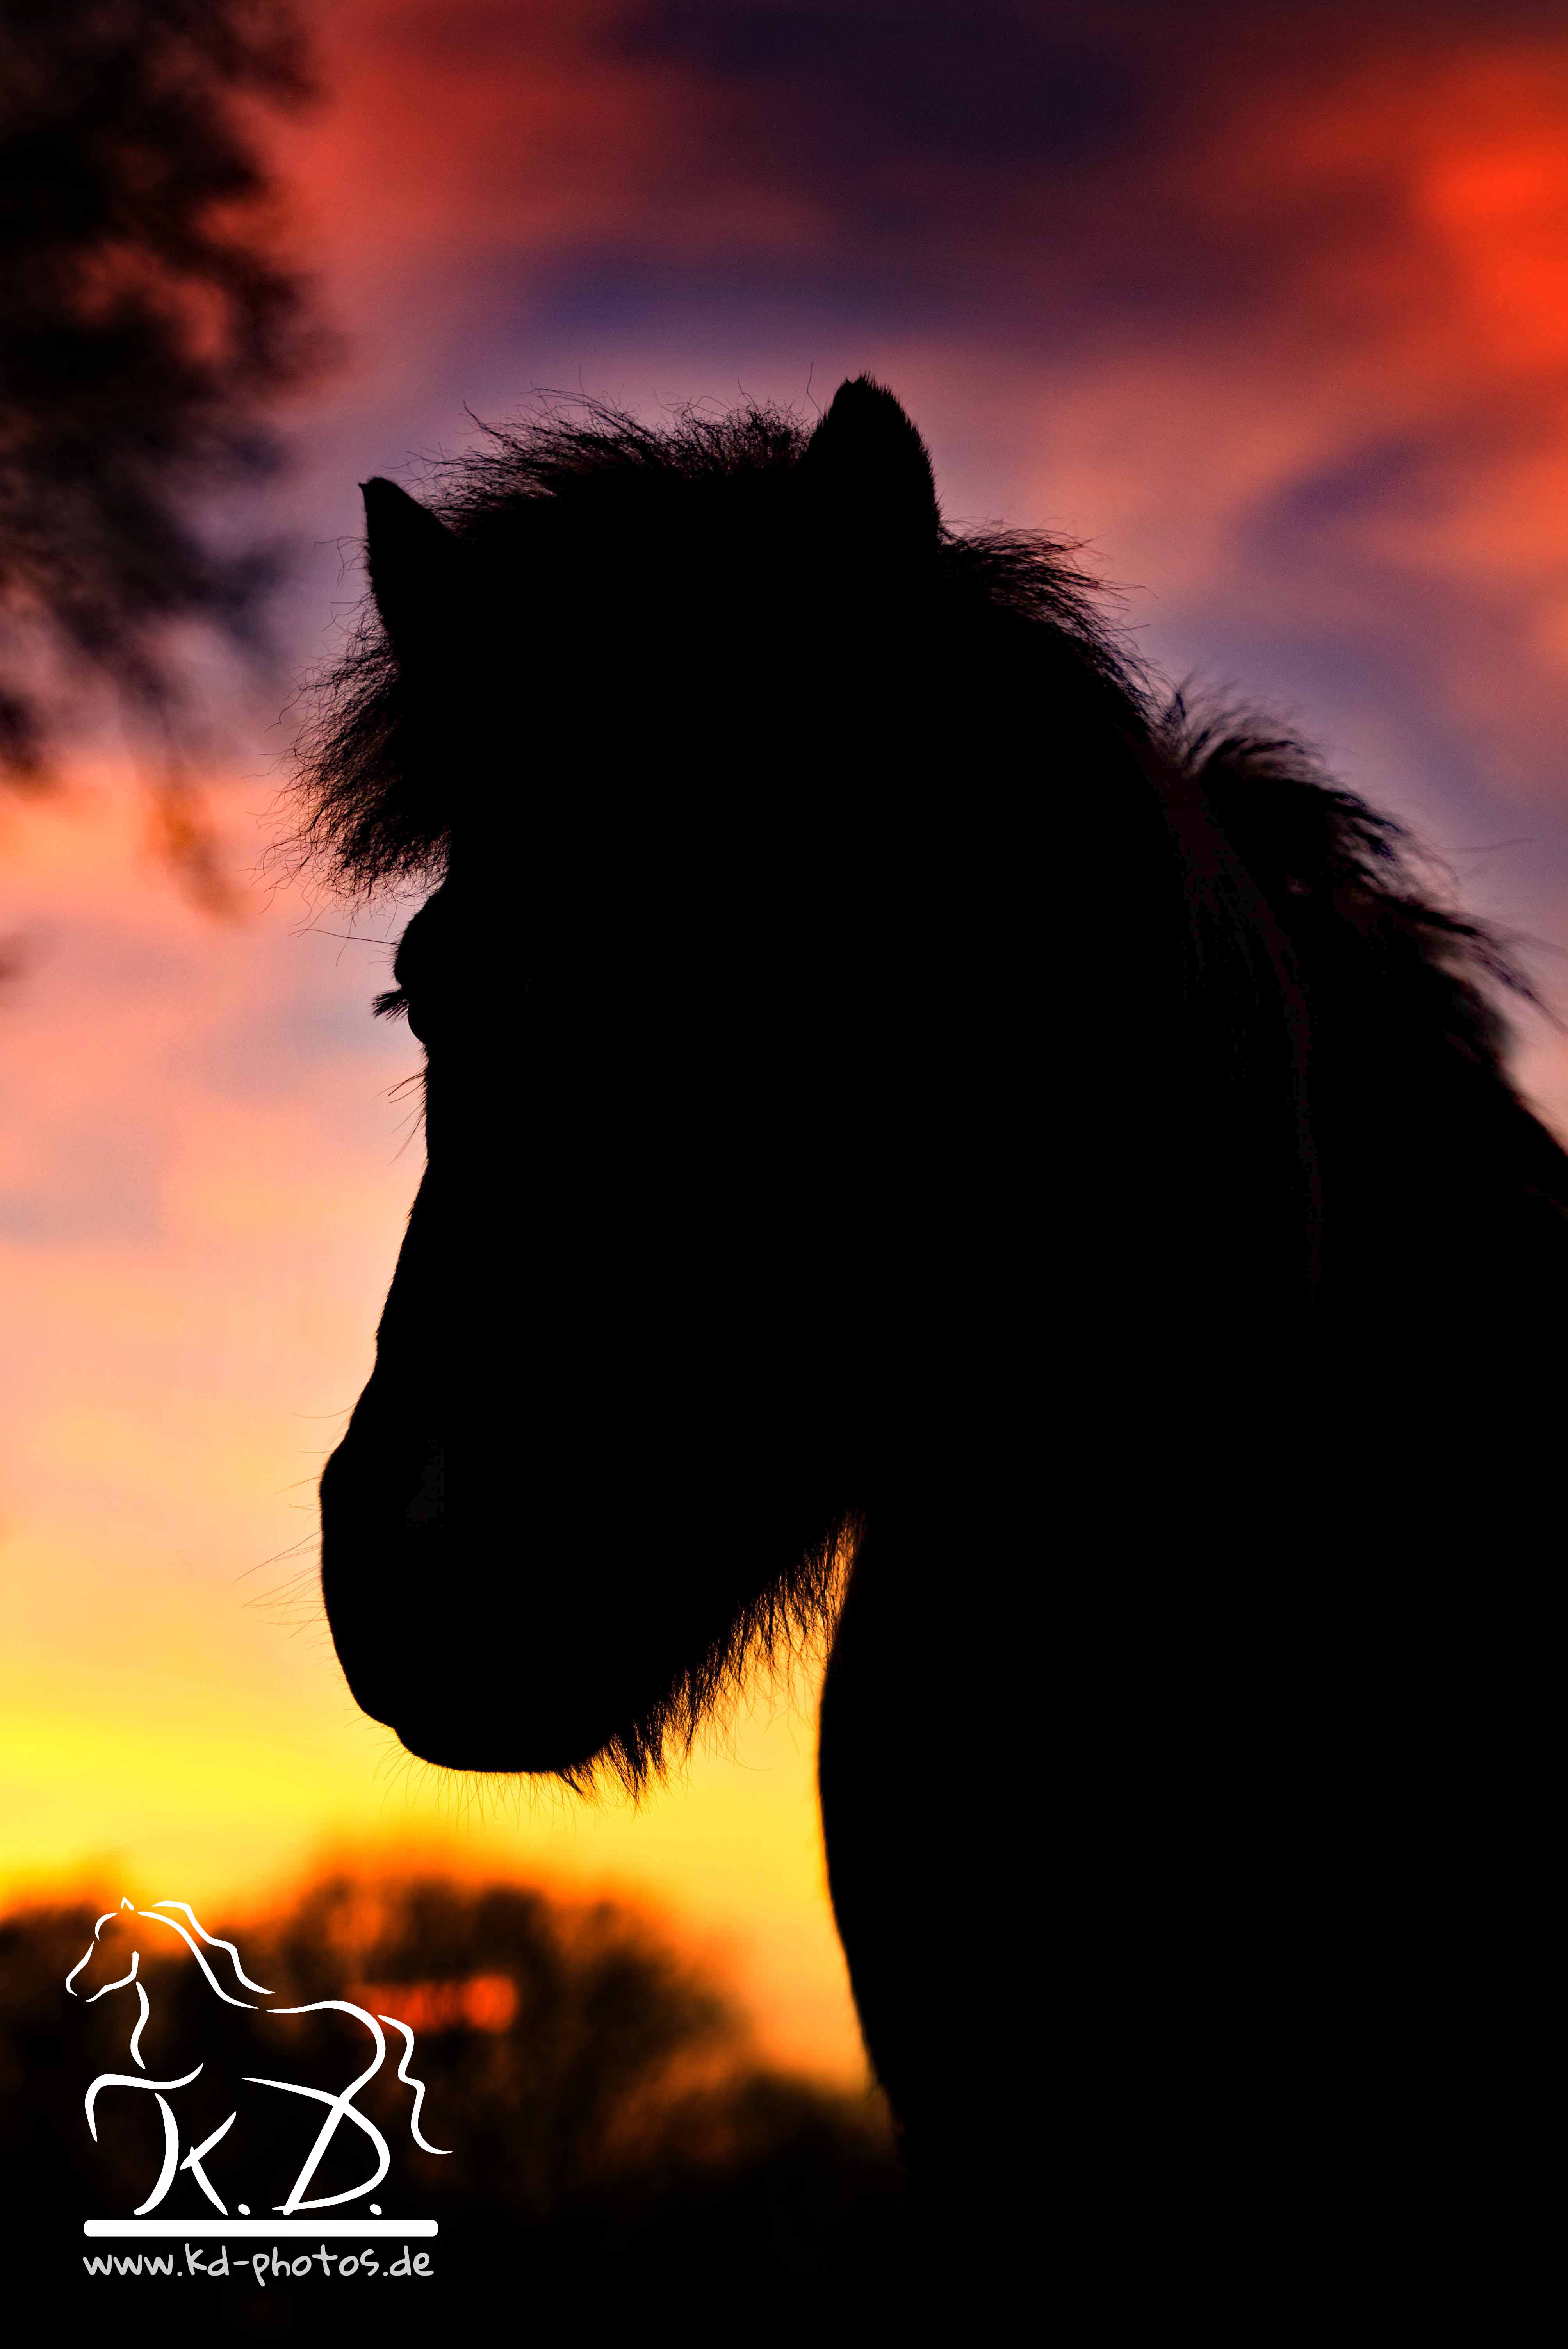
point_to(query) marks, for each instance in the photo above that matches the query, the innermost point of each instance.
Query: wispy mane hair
(1319, 850)
(790, 1622)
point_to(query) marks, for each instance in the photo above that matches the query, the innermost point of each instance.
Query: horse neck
(166, 2046)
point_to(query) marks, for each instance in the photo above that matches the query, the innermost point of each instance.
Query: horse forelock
(565, 511)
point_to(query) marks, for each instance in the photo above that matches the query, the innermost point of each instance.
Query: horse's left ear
(869, 468)
(413, 560)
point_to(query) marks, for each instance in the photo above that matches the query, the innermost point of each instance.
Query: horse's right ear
(412, 558)
(869, 471)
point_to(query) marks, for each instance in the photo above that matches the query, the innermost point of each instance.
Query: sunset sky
(1269, 306)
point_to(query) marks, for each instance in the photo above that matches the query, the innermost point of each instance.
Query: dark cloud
(1029, 173)
(982, 87)
(638, 296)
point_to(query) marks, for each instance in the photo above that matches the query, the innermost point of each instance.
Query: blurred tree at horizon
(148, 324)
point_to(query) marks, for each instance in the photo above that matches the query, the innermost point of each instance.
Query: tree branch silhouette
(147, 325)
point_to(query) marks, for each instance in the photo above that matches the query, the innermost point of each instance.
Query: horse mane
(1316, 849)
(1432, 1154)
(213, 1956)
(373, 805)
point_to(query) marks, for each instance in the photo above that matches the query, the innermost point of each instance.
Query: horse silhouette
(209, 2082)
(925, 1140)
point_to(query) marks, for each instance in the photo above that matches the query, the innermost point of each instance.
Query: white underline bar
(270, 2229)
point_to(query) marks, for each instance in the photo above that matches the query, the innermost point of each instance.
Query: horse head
(614, 1441)
(112, 1959)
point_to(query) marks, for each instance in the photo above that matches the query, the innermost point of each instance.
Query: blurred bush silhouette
(615, 2145)
(146, 324)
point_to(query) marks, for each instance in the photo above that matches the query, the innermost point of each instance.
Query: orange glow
(543, 135)
(1444, 191)
(482, 2002)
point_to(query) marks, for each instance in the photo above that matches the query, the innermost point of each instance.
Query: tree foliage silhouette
(146, 322)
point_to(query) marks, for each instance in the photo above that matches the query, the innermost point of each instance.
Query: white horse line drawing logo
(340, 2107)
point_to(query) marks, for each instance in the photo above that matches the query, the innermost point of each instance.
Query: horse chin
(460, 1702)
(447, 1745)
(487, 1750)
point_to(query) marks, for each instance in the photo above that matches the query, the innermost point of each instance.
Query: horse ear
(412, 558)
(866, 463)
